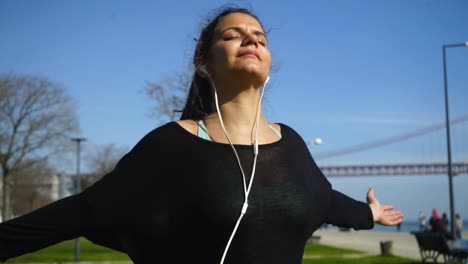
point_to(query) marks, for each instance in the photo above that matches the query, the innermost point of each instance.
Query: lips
(249, 53)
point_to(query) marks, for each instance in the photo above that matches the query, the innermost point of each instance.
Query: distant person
(422, 222)
(458, 226)
(183, 190)
(398, 226)
(435, 222)
(445, 221)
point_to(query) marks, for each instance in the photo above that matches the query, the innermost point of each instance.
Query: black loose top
(176, 196)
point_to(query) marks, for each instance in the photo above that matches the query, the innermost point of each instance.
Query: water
(406, 226)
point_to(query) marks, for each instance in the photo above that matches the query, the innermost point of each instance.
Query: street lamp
(447, 125)
(317, 141)
(78, 141)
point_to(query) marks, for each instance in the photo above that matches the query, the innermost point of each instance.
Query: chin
(257, 75)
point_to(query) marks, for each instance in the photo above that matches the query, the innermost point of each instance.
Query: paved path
(404, 244)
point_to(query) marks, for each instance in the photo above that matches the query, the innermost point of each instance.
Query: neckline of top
(242, 146)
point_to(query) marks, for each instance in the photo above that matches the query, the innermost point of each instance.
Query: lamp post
(78, 141)
(447, 125)
(317, 141)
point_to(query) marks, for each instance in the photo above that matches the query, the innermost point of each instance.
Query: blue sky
(349, 72)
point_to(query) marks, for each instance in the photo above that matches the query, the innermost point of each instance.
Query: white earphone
(204, 70)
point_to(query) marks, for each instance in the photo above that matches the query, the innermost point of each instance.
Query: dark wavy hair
(200, 97)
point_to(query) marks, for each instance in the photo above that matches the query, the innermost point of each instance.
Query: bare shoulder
(189, 124)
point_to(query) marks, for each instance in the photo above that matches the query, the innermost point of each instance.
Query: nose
(250, 39)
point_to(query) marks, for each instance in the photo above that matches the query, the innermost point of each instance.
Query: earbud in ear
(203, 69)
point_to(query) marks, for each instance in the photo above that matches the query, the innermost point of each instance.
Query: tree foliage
(37, 118)
(101, 160)
(33, 186)
(169, 95)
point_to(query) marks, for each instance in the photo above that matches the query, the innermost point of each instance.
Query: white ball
(317, 141)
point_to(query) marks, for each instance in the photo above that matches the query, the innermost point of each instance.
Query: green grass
(65, 251)
(363, 260)
(321, 254)
(314, 254)
(322, 250)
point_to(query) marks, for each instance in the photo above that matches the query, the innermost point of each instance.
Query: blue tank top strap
(275, 131)
(202, 132)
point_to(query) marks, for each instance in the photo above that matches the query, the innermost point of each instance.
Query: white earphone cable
(255, 150)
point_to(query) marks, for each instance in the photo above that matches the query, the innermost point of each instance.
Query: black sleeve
(342, 210)
(96, 213)
(62, 220)
(346, 212)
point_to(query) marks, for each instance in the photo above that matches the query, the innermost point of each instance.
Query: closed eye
(262, 41)
(231, 37)
(236, 33)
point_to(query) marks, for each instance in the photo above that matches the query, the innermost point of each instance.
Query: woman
(422, 222)
(458, 226)
(435, 222)
(221, 185)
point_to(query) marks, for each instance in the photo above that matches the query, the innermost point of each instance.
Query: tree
(169, 95)
(33, 186)
(36, 120)
(101, 159)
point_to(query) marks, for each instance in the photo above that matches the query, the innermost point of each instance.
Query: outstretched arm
(383, 214)
(53, 223)
(344, 211)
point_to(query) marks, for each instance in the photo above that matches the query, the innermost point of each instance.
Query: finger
(396, 221)
(370, 195)
(388, 207)
(391, 217)
(391, 221)
(395, 217)
(392, 213)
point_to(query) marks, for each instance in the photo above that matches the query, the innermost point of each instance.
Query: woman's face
(239, 47)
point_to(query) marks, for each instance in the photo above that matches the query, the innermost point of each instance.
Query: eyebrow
(239, 29)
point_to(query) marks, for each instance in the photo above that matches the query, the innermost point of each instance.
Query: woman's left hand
(383, 214)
